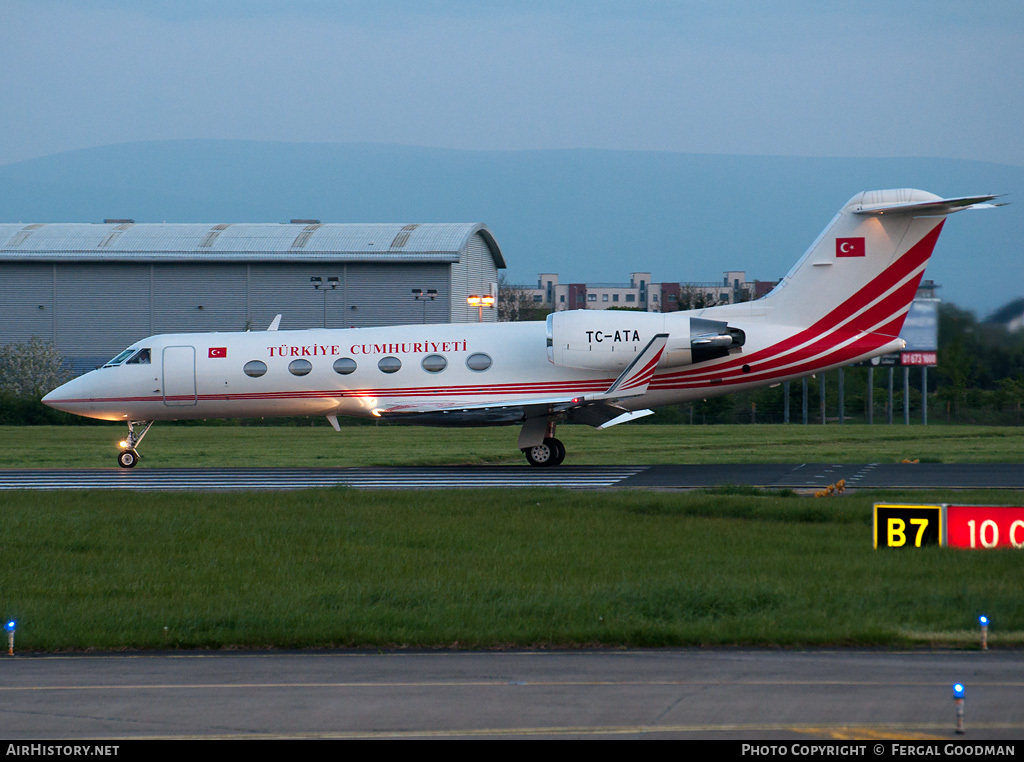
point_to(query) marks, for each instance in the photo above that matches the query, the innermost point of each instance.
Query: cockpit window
(140, 358)
(121, 357)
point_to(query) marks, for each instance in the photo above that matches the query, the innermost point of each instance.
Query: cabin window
(140, 358)
(434, 363)
(478, 361)
(389, 364)
(344, 366)
(299, 367)
(254, 368)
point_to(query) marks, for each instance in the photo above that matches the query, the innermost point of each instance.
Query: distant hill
(589, 215)
(1010, 316)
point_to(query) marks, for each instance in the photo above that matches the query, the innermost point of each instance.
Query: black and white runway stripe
(209, 479)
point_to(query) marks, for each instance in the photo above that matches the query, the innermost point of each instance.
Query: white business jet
(843, 302)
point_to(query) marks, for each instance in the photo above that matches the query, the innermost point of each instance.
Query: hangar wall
(92, 303)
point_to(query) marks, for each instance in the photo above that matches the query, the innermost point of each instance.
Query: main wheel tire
(127, 458)
(539, 455)
(550, 452)
(559, 451)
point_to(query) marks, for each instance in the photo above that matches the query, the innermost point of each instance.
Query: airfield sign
(973, 527)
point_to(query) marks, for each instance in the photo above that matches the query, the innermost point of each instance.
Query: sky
(787, 77)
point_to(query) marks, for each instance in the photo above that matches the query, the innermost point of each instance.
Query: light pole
(318, 284)
(480, 302)
(424, 296)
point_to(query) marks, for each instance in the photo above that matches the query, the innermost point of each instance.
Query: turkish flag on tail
(850, 247)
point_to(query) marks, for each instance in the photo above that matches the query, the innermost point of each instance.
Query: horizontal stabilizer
(935, 208)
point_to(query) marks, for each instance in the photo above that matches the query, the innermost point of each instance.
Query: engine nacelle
(611, 339)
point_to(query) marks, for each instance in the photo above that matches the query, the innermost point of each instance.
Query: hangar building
(94, 289)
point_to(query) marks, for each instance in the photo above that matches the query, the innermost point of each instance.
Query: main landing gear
(551, 452)
(129, 456)
(538, 443)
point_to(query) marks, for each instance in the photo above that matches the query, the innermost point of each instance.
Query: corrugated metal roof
(168, 242)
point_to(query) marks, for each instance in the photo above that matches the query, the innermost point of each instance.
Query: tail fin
(843, 302)
(867, 264)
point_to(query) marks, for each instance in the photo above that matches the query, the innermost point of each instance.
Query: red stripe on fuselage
(868, 321)
(864, 344)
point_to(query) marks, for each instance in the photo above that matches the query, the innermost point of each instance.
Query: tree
(515, 304)
(694, 298)
(31, 369)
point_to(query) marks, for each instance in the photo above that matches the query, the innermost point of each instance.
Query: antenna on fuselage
(274, 324)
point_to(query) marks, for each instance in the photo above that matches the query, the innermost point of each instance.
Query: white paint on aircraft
(845, 301)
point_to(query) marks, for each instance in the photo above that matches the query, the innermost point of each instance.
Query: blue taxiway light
(958, 690)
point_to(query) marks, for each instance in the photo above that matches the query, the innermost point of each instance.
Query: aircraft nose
(58, 397)
(70, 396)
(94, 395)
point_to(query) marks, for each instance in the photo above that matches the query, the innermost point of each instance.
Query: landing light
(123, 444)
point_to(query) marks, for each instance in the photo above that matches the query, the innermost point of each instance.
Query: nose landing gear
(129, 456)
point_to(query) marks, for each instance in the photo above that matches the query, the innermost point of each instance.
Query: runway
(739, 694)
(801, 476)
(208, 479)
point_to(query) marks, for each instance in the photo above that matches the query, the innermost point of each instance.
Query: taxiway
(691, 693)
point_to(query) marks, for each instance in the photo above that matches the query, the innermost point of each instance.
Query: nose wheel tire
(127, 458)
(549, 453)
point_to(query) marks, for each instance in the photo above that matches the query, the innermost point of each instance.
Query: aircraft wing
(593, 408)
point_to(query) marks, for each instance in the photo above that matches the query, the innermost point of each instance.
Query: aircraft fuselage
(843, 302)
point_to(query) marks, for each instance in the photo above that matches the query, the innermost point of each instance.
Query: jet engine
(610, 339)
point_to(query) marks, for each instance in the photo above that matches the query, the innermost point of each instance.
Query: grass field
(487, 569)
(483, 569)
(166, 445)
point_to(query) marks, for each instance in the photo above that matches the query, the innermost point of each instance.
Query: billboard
(921, 332)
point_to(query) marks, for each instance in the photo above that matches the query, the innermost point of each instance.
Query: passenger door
(179, 376)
